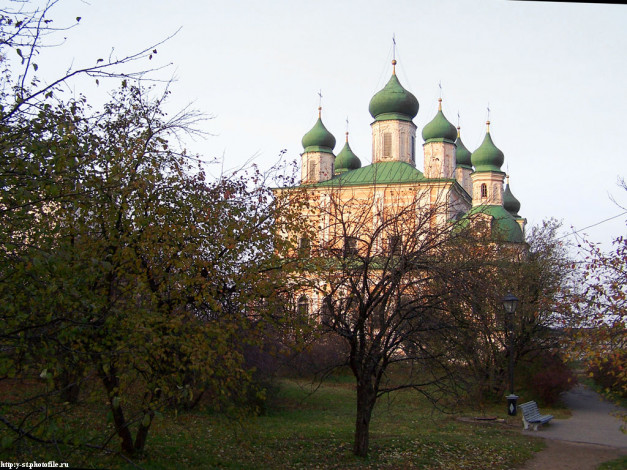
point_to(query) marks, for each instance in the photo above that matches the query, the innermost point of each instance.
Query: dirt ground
(561, 455)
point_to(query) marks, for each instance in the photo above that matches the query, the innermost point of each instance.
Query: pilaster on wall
(439, 159)
(462, 175)
(487, 188)
(522, 223)
(394, 140)
(316, 167)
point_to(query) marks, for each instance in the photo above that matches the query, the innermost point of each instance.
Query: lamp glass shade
(510, 302)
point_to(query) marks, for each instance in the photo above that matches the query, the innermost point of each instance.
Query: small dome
(462, 155)
(318, 138)
(510, 203)
(439, 128)
(487, 157)
(393, 102)
(346, 160)
(502, 224)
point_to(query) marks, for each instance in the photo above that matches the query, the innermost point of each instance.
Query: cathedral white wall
(402, 141)
(439, 160)
(462, 175)
(316, 167)
(494, 185)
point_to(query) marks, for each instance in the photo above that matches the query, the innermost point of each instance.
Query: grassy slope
(315, 430)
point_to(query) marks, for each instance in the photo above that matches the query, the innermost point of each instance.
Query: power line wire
(593, 225)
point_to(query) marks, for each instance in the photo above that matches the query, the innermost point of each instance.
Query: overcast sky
(553, 74)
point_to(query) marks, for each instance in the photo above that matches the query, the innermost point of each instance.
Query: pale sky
(553, 74)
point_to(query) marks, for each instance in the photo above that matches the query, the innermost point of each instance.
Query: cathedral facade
(349, 199)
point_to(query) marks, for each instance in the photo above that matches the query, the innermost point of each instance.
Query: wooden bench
(531, 415)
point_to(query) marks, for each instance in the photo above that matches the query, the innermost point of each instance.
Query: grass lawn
(302, 429)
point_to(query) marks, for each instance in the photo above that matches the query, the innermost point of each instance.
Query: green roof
(318, 139)
(487, 157)
(379, 173)
(439, 128)
(504, 226)
(346, 160)
(393, 102)
(510, 203)
(462, 155)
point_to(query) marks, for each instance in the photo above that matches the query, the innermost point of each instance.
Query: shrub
(608, 372)
(547, 376)
(322, 355)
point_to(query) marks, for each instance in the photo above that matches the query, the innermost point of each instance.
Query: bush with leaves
(122, 264)
(545, 375)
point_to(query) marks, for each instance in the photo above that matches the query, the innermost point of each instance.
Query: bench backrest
(530, 410)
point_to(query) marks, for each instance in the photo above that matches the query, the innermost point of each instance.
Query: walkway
(591, 436)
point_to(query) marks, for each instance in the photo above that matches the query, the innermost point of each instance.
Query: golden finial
(507, 179)
(458, 129)
(394, 66)
(439, 104)
(320, 104)
(347, 137)
(487, 123)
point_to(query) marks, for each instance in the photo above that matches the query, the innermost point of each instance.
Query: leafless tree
(386, 274)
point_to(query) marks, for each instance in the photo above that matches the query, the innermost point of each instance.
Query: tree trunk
(68, 385)
(366, 398)
(142, 432)
(111, 384)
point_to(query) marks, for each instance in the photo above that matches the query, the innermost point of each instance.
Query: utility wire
(593, 225)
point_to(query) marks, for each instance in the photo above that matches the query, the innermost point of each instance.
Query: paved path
(593, 421)
(589, 437)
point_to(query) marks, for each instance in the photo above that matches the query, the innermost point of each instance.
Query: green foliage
(608, 373)
(308, 425)
(539, 274)
(598, 333)
(120, 264)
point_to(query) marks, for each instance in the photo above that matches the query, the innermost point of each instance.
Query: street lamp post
(510, 302)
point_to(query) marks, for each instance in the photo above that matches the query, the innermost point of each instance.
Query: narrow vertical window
(394, 245)
(387, 144)
(412, 150)
(484, 190)
(326, 311)
(303, 306)
(304, 247)
(350, 246)
(312, 170)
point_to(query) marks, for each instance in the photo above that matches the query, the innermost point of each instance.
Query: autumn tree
(385, 280)
(26, 31)
(540, 273)
(598, 332)
(123, 267)
(128, 268)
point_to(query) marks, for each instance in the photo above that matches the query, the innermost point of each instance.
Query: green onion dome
(462, 155)
(393, 101)
(487, 157)
(318, 139)
(510, 203)
(439, 128)
(503, 225)
(346, 160)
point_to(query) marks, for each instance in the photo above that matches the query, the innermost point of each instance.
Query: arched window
(303, 306)
(484, 190)
(304, 247)
(326, 311)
